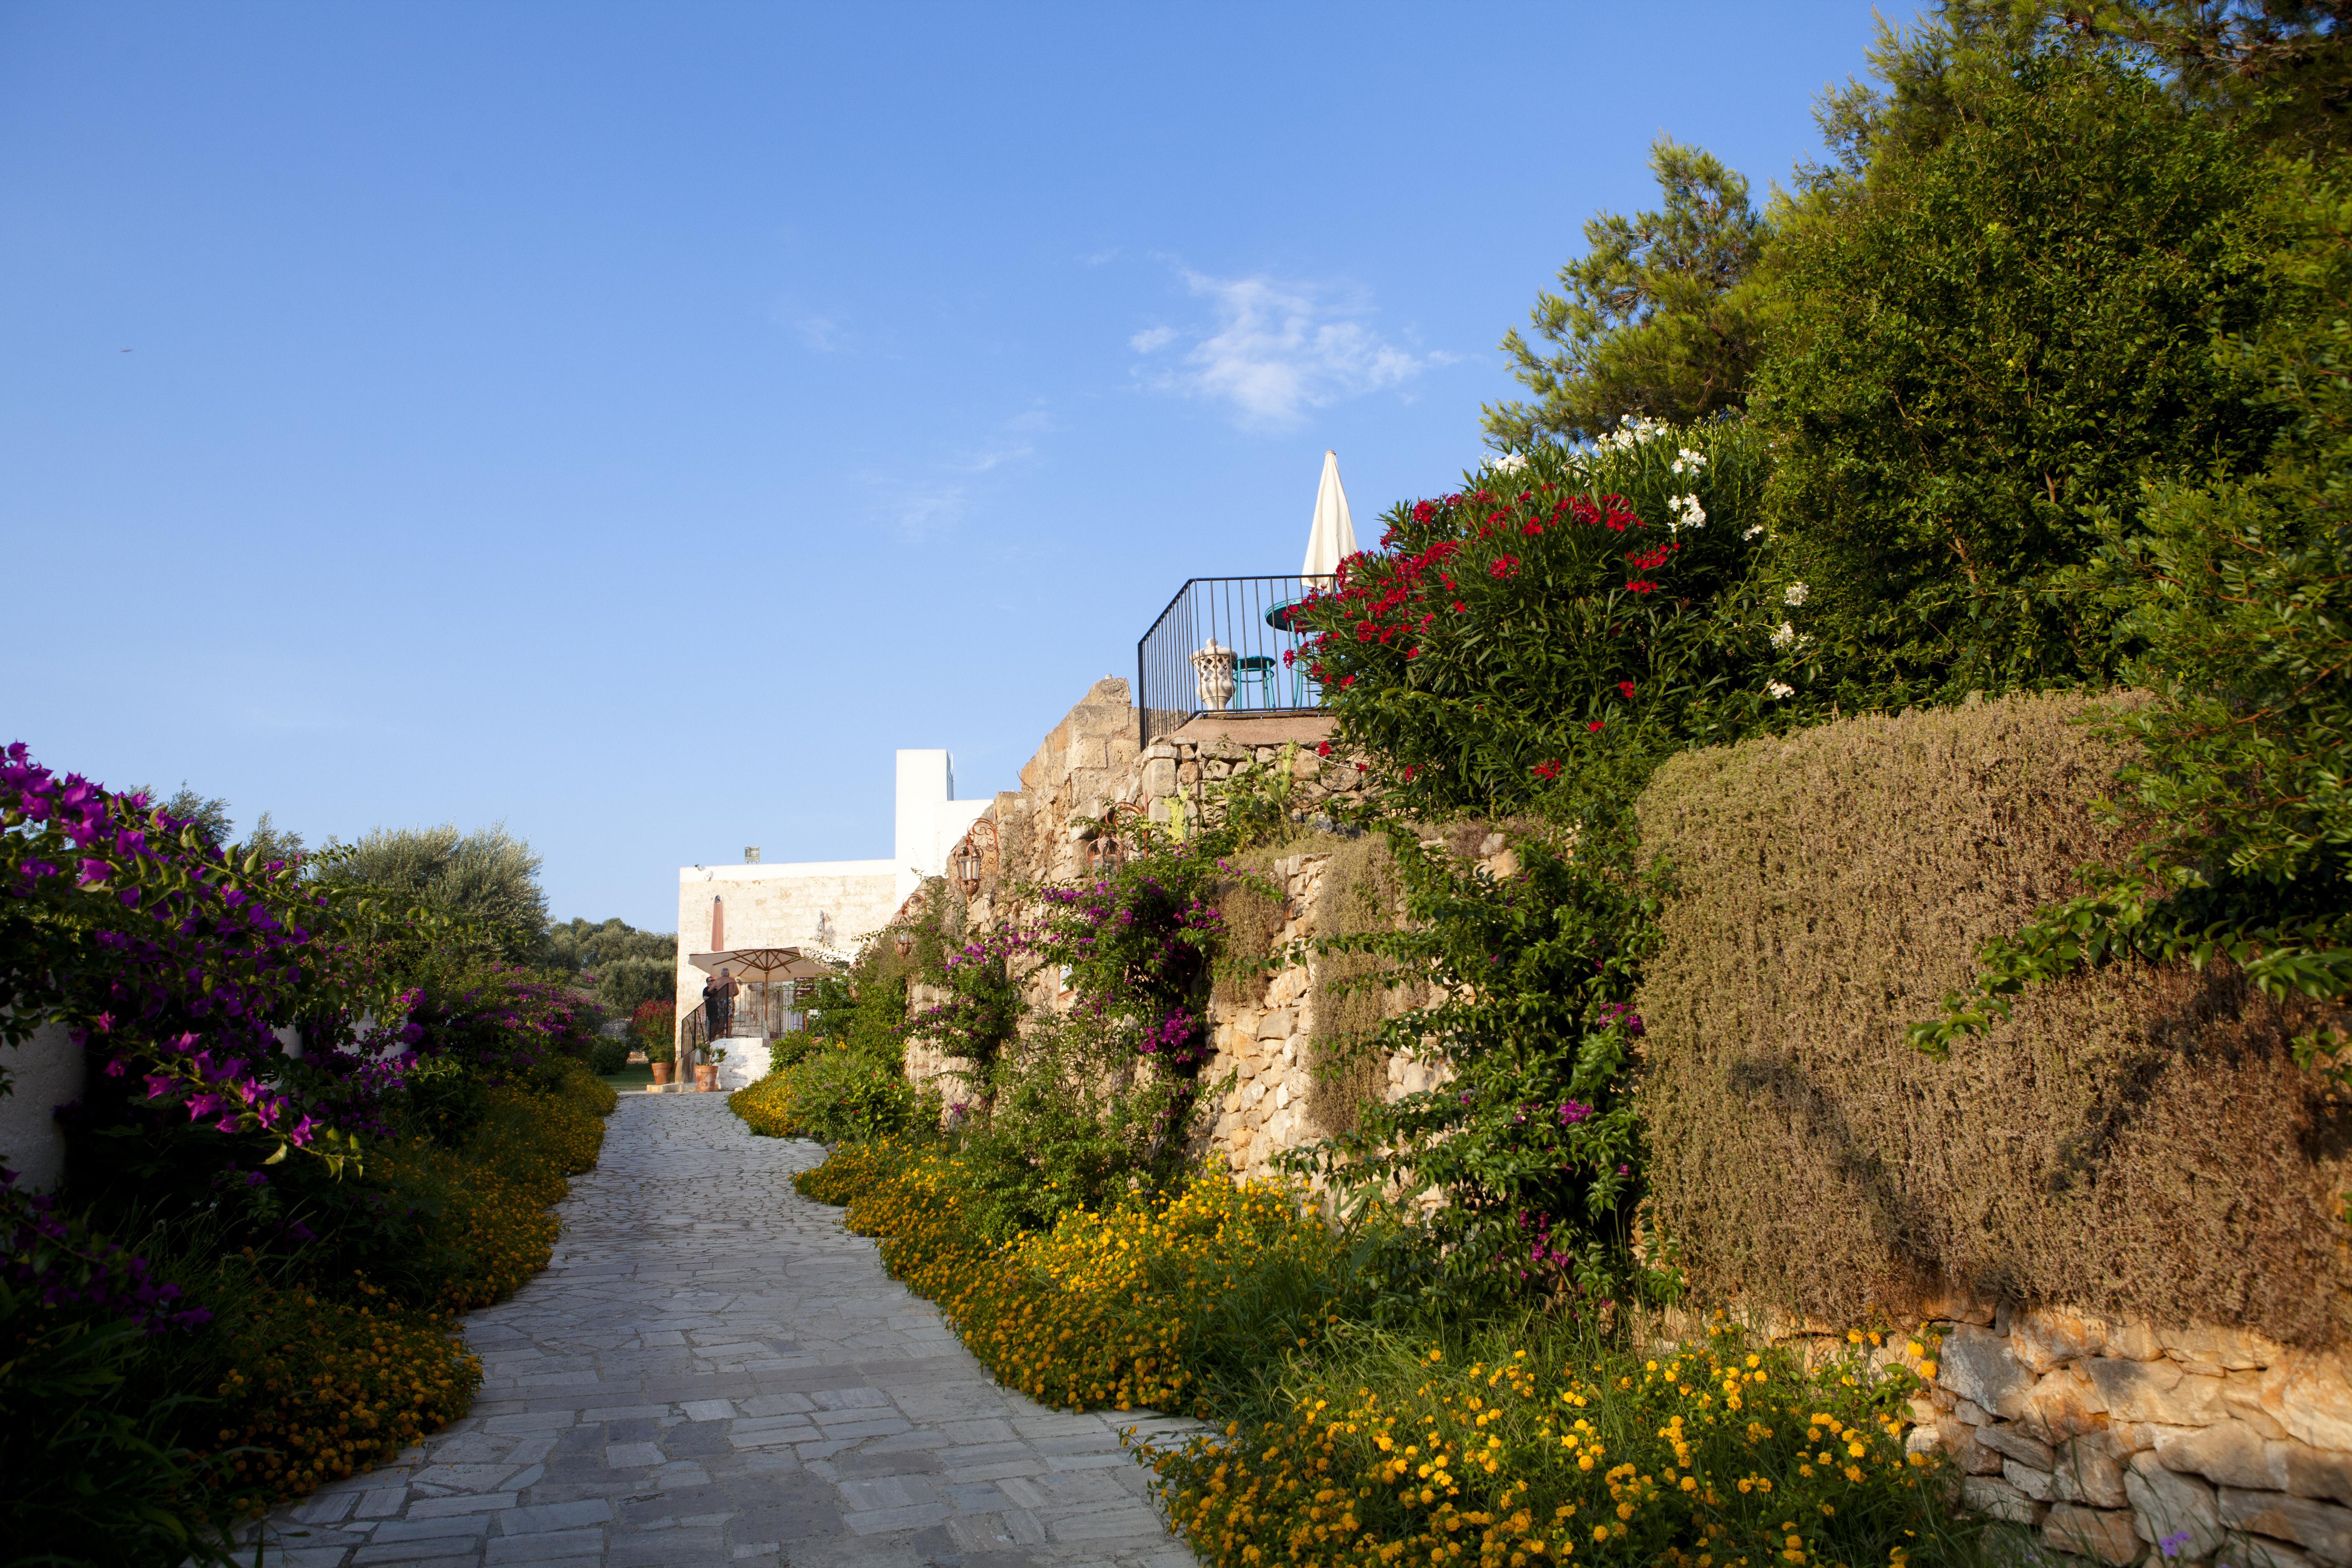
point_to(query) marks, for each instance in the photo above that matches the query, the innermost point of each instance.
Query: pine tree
(1660, 317)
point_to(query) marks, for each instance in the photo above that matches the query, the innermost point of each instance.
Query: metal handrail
(1233, 611)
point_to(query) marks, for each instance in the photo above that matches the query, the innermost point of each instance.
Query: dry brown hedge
(1359, 895)
(2134, 1141)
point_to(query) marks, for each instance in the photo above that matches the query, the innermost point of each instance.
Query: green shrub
(1171, 1300)
(1998, 331)
(2136, 1141)
(842, 1095)
(609, 1055)
(1073, 1119)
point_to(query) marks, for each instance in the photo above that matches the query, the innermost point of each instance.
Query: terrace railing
(1249, 618)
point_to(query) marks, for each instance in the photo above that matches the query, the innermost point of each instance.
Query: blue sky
(633, 423)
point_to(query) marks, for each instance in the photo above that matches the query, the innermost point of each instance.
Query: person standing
(719, 1004)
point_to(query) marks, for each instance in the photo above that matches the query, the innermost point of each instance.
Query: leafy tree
(488, 877)
(1993, 325)
(1660, 318)
(2240, 587)
(209, 816)
(629, 966)
(2281, 69)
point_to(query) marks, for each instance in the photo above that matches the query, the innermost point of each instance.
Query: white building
(830, 904)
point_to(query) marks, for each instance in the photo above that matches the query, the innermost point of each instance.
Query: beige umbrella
(1333, 539)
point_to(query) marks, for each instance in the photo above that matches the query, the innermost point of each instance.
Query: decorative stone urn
(1214, 668)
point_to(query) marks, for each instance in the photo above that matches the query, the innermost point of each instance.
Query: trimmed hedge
(2133, 1141)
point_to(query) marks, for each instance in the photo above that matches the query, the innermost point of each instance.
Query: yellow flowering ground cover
(766, 1106)
(321, 1388)
(323, 1383)
(1723, 1454)
(1136, 1307)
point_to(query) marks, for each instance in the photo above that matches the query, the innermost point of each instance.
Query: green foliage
(2280, 68)
(2236, 587)
(210, 817)
(1533, 1139)
(609, 1053)
(1991, 335)
(488, 878)
(1073, 1120)
(626, 966)
(842, 1096)
(1660, 318)
(1566, 609)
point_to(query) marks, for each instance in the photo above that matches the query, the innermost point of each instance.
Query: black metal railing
(1247, 616)
(764, 1010)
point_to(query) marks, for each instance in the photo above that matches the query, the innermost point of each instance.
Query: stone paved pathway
(713, 1371)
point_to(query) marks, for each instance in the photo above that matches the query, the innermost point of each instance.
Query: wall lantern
(904, 942)
(971, 857)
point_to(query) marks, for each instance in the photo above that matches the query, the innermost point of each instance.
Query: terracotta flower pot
(706, 1078)
(661, 1075)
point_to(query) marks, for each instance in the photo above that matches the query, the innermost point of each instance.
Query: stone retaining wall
(2120, 1439)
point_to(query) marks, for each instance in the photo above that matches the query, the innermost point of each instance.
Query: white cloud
(817, 331)
(1279, 347)
(918, 506)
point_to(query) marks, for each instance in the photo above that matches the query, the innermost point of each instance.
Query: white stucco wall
(43, 1073)
(835, 903)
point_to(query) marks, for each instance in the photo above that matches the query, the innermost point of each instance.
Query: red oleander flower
(1548, 769)
(1503, 565)
(1594, 727)
(1627, 687)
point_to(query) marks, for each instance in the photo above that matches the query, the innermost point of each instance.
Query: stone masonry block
(2165, 1505)
(1978, 1365)
(2320, 1529)
(2095, 1533)
(2157, 1391)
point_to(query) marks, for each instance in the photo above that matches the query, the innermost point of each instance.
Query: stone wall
(2115, 1438)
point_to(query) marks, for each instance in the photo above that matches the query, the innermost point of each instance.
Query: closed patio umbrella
(1333, 538)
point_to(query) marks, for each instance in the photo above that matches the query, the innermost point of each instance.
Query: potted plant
(659, 1056)
(705, 1072)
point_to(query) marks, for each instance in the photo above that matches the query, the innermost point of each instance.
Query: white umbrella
(1334, 536)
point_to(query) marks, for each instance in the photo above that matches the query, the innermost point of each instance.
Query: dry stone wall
(2120, 1440)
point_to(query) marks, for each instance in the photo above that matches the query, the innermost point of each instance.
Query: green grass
(637, 1075)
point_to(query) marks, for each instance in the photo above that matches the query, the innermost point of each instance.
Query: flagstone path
(713, 1371)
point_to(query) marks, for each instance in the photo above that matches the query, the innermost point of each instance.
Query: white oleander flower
(1753, 532)
(1783, 634)
(1796, 593)
(1688, 513)
(1510, 463)
(1687, 462)
(1779, 690)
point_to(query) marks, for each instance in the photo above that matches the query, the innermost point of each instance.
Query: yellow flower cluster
(318, 1388)
(1719, 1454)
(484, 1214)
(1104, 1310)
(766, 1106)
